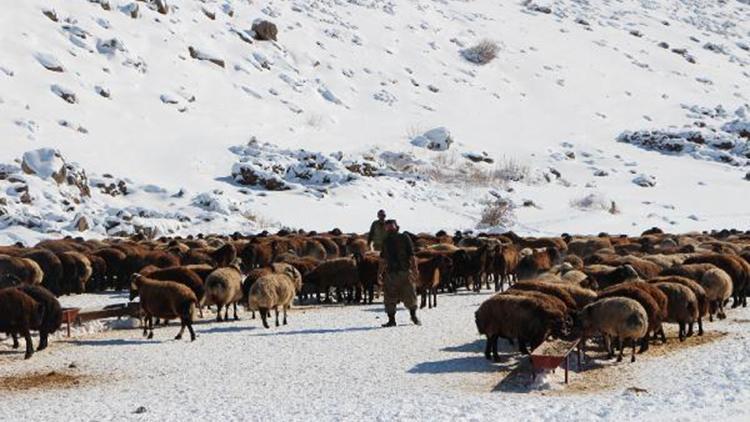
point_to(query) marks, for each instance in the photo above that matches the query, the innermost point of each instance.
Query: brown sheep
(505, 259)
(19, 312)
(428, 280)
(605, 276)
(700, 295)
(652, 309)
(527, 319)
(77, 271)
(537, 262)
(341, 273)
(368, 267)
(114, 259)
(164, 299)
(52, 312)
(182, 275)
(50, 265)
(551, 289)
(682, 305)
(735, 266)
(27, 270)
(553, 301)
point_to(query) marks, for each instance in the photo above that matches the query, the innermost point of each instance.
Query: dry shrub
(482, 53)
(497, 212)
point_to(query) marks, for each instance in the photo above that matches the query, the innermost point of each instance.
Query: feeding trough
(69, 315)
(552, 353)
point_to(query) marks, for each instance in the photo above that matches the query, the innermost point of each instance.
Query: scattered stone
(645, 181)
(199, 55)
(140, 410)
(51, 14)
(438, 139)
(64, 93)
(49, 62)
(265, 30)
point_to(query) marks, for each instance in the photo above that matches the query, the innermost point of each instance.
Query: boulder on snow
(48, 163)
(64, 93)
(49, 62)
(265, 30)
(200, 55)
(645, 181)
(438, 139)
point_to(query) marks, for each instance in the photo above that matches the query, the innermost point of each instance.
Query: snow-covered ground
(336, 363)
(156, 125)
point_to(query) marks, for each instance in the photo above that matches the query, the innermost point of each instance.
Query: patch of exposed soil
(43, 380)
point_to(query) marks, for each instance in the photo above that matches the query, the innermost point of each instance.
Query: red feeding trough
(69, 315)
(550, 354)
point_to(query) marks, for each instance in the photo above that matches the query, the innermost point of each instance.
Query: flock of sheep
(619, 288)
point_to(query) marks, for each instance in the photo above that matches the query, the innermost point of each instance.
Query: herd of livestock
(618, 288)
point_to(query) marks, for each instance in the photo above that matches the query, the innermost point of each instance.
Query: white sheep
(223, 288)
(718, 286)
(617, 318)
(275, 290)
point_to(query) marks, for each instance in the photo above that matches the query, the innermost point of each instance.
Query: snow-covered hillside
(558, 126)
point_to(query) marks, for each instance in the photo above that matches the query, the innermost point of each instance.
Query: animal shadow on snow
(317, 331)
(114, 342)
(226, 329)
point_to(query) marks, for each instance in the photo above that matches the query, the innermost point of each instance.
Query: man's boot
(414, 318)
(391, 320)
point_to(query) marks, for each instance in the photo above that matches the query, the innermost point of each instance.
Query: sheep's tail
(189, 309)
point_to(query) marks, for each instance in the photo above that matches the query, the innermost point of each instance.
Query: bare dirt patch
(43, 380)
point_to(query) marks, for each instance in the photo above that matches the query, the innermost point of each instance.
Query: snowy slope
(364, 78)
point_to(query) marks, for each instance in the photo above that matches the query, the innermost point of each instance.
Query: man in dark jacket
(377, 232)
(398, 254)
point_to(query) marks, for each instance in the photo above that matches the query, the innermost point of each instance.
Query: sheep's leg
(488, 347)
(29, 344)
(682, 331)
(235, 312)
(264, 316)
(150, 327)
(632, 354)
(252, 314)
(190, 329)
(644, 344)
(423, 296)
(43, 340)
(700, 326)
(434, 298)
(218, 313)
(16, 345)
(182, 329)
(145, 326)
(495, 356)
(276, 311)
(608, 346)
(622, 348)
(226, 313)
(285, 309)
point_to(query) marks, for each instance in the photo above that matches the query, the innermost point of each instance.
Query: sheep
(505, 259)
(52, 312)
(605, 278)
(735, 266)
(682, 305)
(537, 262)
(19, 312)
(368, 266)
(718, 286)
(77, 271)
(620, 318)
(275, 290)
(250, 279)
(50, 265)
(202, 270)
(224, 255)
(649, 304)
(341, 273)
(27, 270)
(164, 299)
(552, 300)
(182, 275)
(114, 259)
(223, 288)
(528, 319)
(698, 291)
(428, 280)
(691, 271)
(661, 301)
(575, 261)
(551, 289)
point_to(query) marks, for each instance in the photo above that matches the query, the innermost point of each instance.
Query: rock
(140, 410)
(131, 9)
(747, 176)
(82, 224)
(47, 163)
(645, 180)
(51, 14)
(64, 93)
(265, 30)
(104, 92)
(246, 175)
(161, 6)
(49, 62)
(437, 139)
(601, 173)
(200, 55)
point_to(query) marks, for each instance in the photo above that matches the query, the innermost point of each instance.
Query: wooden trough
(552, 353)
(118, 311)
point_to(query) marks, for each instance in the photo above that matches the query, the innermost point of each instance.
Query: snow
(337, 363)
